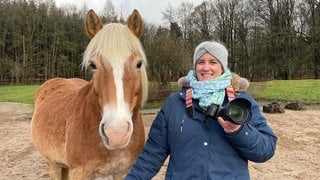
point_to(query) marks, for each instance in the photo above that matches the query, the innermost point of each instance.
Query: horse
(89, 129)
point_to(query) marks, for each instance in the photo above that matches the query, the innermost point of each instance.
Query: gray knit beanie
(214, 48)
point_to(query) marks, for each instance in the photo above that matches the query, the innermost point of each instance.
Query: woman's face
(208, 67)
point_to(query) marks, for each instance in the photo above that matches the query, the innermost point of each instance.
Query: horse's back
(53, 103)
(58, 87)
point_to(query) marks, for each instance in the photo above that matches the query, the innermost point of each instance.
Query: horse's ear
(135, 23)
(93, 23)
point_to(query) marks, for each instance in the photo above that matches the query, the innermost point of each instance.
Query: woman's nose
(206, 66)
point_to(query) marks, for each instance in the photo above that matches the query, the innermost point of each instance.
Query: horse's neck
(88, 98)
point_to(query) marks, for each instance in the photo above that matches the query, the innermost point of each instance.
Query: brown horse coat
(90, 129)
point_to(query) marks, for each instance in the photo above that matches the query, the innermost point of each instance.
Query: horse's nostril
(102, 131)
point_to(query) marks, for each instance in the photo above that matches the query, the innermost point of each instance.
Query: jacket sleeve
(155, 150)
(255, 140)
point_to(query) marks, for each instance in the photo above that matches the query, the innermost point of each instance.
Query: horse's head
(119, 77)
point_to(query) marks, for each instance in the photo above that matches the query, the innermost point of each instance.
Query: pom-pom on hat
(214, 48)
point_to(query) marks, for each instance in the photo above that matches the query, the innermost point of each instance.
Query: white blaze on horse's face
(118, 88)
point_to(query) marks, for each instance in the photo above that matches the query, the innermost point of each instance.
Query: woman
(201, 146)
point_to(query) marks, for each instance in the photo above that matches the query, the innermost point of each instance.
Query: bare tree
(109, 12)
(184, 12)
(243, 22)
(168, 59)
(312, 16)
(169, 15)
(203, 21)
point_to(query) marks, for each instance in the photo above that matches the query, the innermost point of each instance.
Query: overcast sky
(150, 10)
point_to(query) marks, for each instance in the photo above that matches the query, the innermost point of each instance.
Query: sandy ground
(297, 154)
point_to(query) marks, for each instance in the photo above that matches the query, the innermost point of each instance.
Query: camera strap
(230, 93)
(189, 106)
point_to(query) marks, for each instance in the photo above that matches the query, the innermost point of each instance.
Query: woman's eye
(200, 62)
(213, 62)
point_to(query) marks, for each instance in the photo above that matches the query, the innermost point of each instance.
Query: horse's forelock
(115, 43)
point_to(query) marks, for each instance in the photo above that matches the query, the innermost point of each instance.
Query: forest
(266, 39)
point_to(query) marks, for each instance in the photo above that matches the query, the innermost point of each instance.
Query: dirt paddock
(297, 154)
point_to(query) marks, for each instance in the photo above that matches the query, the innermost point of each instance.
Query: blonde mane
(116, 43)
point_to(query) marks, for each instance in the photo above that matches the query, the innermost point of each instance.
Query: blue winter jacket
(198, 146)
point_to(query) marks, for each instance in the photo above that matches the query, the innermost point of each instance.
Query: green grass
(18, 93)
(153, 104)
(307, 91)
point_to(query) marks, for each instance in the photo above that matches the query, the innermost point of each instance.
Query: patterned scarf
(209, 92)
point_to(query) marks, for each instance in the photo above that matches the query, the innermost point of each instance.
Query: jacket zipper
(182, 123)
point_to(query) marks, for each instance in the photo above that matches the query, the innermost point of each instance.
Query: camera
(237, 111)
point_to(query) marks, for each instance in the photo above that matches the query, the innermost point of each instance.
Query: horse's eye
(139, 64)
(92, 65)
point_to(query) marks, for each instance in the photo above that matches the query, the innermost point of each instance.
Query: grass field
(18, 93)
(307, 91)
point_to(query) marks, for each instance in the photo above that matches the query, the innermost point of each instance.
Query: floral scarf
(209, 92)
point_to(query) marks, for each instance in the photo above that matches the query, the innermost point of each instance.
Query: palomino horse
(93, 129)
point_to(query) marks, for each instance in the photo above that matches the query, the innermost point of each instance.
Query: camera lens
(235, 112)
(238, 111)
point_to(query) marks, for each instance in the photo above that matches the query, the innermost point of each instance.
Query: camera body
(237, 111)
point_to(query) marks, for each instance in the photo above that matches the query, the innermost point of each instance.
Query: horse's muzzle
(116, 136)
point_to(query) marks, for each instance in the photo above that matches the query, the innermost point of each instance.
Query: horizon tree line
(266, 39)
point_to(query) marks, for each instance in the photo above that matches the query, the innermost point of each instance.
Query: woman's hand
(228, 126)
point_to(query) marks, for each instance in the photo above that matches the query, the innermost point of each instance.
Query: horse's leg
(54, 170)
(118, 176)
(78, 174)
